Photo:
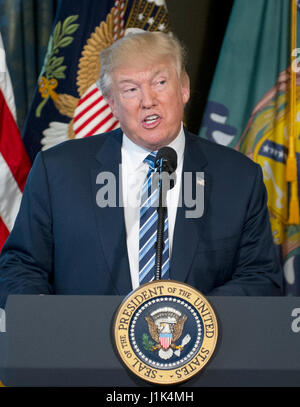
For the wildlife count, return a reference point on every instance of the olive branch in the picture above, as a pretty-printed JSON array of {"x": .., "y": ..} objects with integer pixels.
[
  {"x": 148, "y": 344},
  {"x": 53, "y": 66},
  {"x": 61, "y": 38}
]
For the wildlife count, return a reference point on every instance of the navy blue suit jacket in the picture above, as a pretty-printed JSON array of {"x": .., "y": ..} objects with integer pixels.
[{"x": 64, "y": 243}]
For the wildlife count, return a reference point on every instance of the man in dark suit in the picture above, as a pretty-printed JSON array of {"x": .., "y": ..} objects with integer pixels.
[{"x": 65, "y": 242}]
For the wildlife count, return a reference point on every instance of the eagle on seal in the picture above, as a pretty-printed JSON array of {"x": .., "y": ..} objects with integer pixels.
[{"x": 165, "y": 326}]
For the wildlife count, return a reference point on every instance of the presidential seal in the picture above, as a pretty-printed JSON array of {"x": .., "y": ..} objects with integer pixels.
[{"x": 165, "y": 332}]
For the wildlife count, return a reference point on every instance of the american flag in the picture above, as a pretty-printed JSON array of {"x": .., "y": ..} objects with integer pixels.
[{"x": 14, "y": 161}]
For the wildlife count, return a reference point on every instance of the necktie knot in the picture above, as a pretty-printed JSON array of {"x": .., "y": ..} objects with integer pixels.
[{"x": 150, "y": 160}]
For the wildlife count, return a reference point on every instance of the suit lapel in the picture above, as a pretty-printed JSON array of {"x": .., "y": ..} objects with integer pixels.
[
  {"x": 187, "y": 230},
  {"x": 110, "y": 221}
]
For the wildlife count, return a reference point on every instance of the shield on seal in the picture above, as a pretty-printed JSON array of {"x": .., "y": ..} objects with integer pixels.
[{"x": 165, "y": 339}]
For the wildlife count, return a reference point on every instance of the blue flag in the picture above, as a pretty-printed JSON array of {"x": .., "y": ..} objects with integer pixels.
[
  {"x": 249, "y": 109},
  {"x": 67, "y": 103}
]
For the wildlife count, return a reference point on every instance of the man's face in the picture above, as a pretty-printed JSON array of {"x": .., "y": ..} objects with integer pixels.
[{"x": 149, "y": 101}]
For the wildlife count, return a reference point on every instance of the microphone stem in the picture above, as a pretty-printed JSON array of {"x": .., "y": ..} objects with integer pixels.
[{"x": 160, "y": 230}]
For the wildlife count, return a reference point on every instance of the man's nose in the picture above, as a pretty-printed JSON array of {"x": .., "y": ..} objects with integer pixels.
[{"x": 148, "y": 98}]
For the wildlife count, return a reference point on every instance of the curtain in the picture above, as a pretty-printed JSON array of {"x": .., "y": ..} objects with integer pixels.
[{"x": 25, "y": 26}]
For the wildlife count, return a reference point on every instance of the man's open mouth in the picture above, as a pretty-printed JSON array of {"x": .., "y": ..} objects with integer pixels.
[{"x": 151, "y": 120}]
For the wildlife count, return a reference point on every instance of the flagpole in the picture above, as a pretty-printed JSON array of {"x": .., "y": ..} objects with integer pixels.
[{"x": 291, "y": 164}]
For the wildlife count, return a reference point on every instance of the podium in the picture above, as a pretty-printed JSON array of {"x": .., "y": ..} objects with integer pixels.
[{"x": 67, "y": 341}]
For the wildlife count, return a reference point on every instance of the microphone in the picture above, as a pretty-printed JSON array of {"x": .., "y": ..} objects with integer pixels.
[{"x": 166, "y": 160}]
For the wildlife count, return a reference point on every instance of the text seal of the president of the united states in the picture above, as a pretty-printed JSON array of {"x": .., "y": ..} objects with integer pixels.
[{"x": 165, "y": 331}]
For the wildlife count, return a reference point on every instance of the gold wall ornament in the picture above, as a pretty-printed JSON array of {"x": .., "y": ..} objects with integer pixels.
[{"x": 165, "y": 332}]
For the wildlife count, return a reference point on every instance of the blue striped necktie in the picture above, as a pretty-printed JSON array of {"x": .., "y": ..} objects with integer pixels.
[{"x": 148, "y": 228}]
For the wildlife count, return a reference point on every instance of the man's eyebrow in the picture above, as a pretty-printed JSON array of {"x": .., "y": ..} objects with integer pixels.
[
  {"x": 160, "y": 72},
  {"x": 127, "y": 80},
  {"x": 154, "y": 74}
]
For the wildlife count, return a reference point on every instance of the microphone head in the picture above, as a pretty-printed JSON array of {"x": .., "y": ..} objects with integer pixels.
[{"x": 166, "y": 158}]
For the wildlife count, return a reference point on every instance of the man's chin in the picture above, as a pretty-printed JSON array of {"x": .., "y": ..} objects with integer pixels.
[
  {"x": 155, "y": 146},
  {"x": 155, "y": 142},
  {"x": 153, "y": 139}
]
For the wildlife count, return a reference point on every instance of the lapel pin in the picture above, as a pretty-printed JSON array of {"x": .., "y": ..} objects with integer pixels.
[{"x": 201, "y": 181}]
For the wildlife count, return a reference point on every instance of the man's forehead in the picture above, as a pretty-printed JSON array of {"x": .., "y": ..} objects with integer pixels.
[{"x": 126, "y": 72}]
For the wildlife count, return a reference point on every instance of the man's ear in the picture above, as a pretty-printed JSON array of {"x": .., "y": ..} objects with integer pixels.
[
  {"x": 111, "y": 103},
  {"x": 185, "y": 88}
]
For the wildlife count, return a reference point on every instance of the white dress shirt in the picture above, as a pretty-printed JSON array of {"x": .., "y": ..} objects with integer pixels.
[{"x": 134, "y": 172}]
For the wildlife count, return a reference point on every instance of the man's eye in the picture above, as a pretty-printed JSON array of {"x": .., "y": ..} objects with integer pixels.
[
  {"x": 130, "y": 90},
  {"x": 162, "y": 82}
]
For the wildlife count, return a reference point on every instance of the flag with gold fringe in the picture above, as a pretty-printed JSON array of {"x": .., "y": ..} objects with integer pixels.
[
  {"x": 254, "y": 107},
  {"x": 68, "y": 103}
]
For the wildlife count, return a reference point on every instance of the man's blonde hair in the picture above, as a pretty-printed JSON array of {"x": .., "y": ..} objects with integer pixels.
[{"x": 151, "y": 46}]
